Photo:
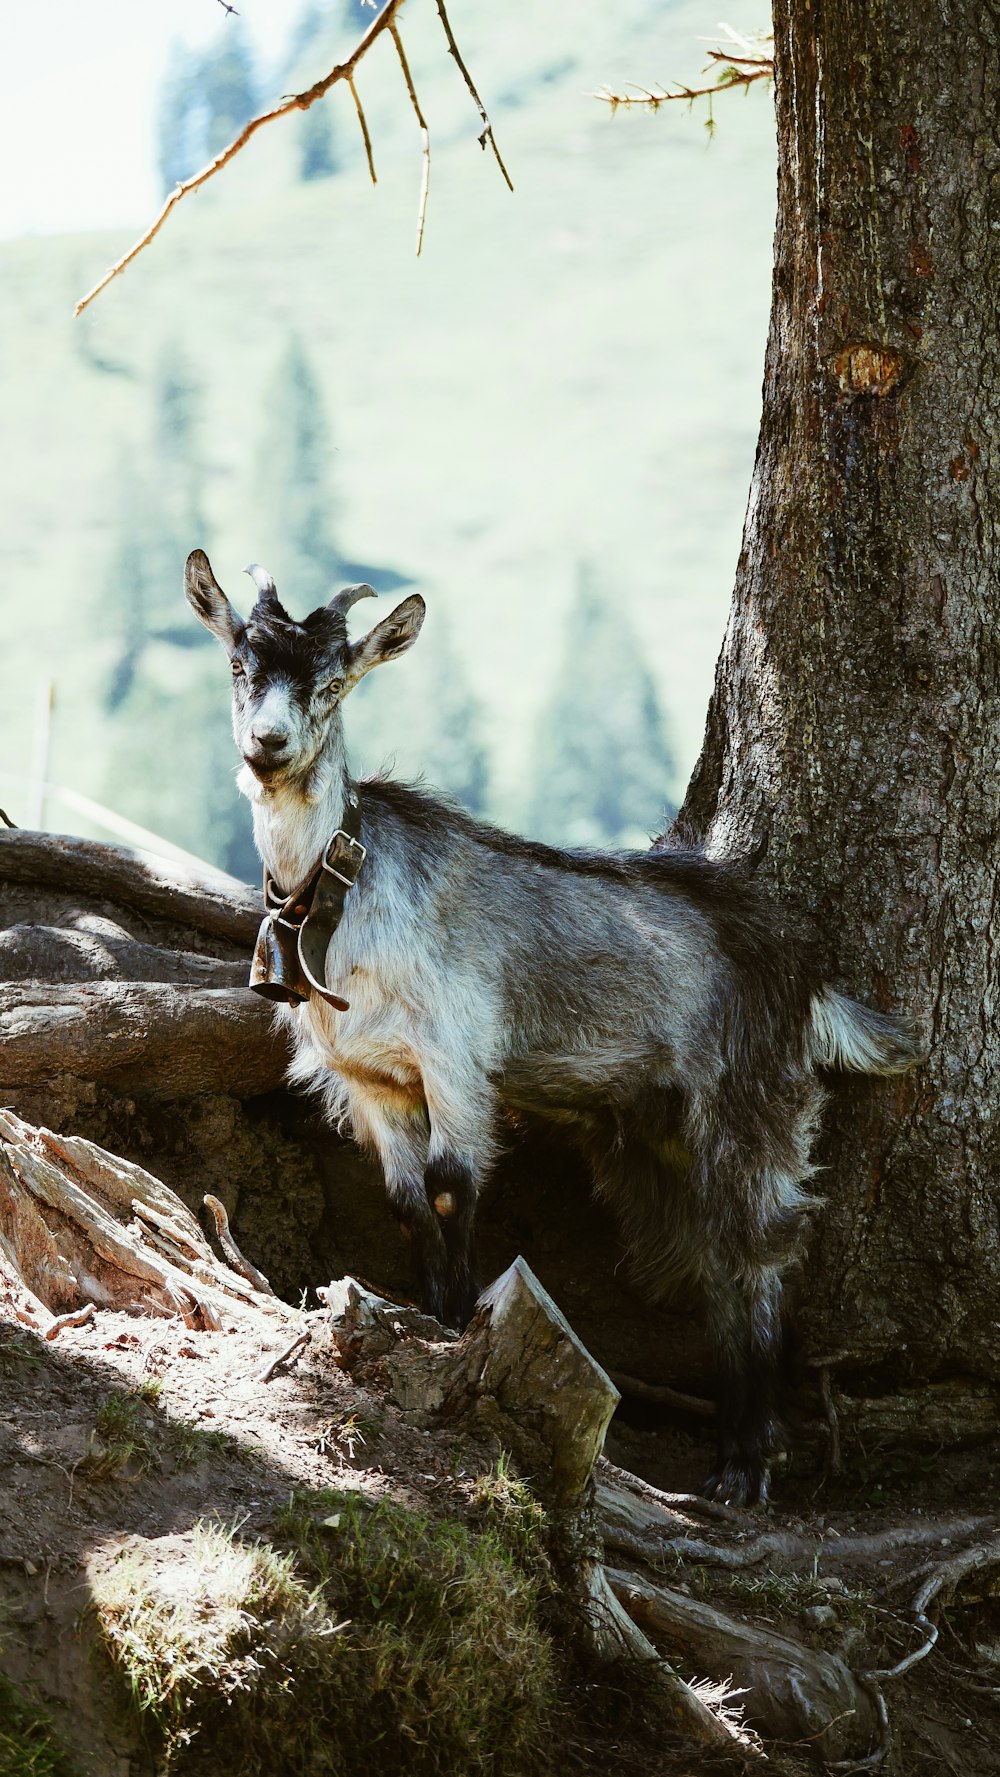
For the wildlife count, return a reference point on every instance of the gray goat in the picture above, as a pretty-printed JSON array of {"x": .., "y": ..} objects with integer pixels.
[{"x": 654, "y": 1003}]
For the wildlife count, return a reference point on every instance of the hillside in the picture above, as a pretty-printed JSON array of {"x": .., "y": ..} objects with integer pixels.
[{"x": 567, "y": 380}]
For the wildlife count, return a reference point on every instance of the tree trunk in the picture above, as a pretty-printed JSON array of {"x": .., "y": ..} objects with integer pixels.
[{"x": 852, "y": 739}]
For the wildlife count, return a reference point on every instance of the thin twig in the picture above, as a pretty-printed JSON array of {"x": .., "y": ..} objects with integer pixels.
[
  {"x": 425, "y": 139},
  {"x": 5, "y": 817},
  {"x": 75, "y": 1318},
  {"x": 289, "y": 1351},
  {"x": 356, "y": 96},
  {"x": 297, "y": 102},
  {"x": 736, "y": 71},
  {"x": 487, "y": 132}
]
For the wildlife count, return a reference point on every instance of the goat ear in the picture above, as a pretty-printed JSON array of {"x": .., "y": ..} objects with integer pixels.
[
  {"x": 392, "y": 636},
  {"x": 208, "y": 601}
]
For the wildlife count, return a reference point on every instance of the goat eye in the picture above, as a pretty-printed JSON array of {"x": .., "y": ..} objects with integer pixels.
[
  {"x": 336, "y": 686},
  {"x": 237, "y": 669}
]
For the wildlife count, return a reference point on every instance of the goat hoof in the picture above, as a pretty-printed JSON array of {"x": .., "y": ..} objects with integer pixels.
[{"x": 739, "y": 1483}]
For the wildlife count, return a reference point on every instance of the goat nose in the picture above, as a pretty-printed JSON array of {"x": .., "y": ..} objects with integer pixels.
[{"x": 270, "y": 740}]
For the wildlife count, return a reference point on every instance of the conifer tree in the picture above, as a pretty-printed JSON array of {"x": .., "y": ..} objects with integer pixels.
[
  {"x": 601, "y": 757},
  {"x": 181, "y": 121},
  {"x": 426, "y": 724},
  {"x": 295, "y": 503},
  {"x": 229, "y": 88}
]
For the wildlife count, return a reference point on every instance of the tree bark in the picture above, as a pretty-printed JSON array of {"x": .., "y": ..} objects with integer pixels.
[{"x": 852, "y": 739}]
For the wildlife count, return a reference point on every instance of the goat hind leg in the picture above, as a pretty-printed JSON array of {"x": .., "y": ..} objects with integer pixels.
[{"x": 744, "y": 1311}]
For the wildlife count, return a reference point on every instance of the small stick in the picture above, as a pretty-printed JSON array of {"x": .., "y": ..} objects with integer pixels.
[
  {"x": 359, "y": 108},
  {"x": 75, "y": 1318},
  {"x": 290, "y": 1350},
  {"x": 230, "y": 1248},
  {"x": 424, "y": 134},
  {"x": 660, "y": 1392},
  {"x": 5, "y": 817},
  {"x": 487, "y": 133}
]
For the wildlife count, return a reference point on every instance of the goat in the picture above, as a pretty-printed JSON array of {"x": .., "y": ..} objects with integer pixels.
[{"x": 655, "y": 1003}]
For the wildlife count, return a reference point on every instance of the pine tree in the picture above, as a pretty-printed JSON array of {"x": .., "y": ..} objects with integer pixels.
[
  {"x": 424, "y": 721},
  {"x": 295, "y": 504},
  {"x": 310, "y": 43},
  {"x": 182, "y": 118},
  {"x": 229, "y": 88},
  {"x": 601, "y": 755}
]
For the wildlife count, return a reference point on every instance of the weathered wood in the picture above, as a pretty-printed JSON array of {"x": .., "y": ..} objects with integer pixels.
[
  {"x": 98, "y": 949},
  {"x": 78, "y": 1224},
  {"x": 519, "y": 1352},
  {"x": 148, "y": 1038},
  {"x": 208, "y": 900},
  {"x": 520, "y": 1372},
  {"x": 792, "y": 1692}
]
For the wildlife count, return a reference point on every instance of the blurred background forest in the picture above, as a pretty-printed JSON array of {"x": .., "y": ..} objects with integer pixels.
[{"x": 545, "y": 424}]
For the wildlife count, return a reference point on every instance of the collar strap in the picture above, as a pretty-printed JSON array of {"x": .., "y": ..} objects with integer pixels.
[{"x": 289, "y": 962}]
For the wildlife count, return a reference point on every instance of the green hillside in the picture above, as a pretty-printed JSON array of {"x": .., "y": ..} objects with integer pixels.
[{"x": 567, "y": 382}]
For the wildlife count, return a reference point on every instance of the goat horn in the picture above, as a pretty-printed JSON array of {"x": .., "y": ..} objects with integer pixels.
[
  {"x": 266, "y": 588},
  {"x": 341, "y": 604}
]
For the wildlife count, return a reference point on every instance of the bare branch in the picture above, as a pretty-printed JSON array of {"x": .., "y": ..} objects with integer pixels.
[
  {"x": 297, "y": 102},
  {"x": 356, "y": 96},
  {"x": 487, "y": 132},
  {"x": 424, "y": 134}
]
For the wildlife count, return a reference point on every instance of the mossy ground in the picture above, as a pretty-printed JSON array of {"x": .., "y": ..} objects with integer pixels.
[{"x": 362, "y": 1630}]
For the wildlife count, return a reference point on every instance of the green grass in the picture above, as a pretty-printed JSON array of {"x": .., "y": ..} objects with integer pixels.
[
  {"x": 363, "y": 1633},
  {"x": 29, "y": 1745},
  {"x": 122, "y": 1437}
]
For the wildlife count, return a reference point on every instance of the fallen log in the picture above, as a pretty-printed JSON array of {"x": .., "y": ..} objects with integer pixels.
[
  {"x": 148, "y": 1038},
  {"x": 207, "y": 900},
  {"x": 97, "y": 949}
]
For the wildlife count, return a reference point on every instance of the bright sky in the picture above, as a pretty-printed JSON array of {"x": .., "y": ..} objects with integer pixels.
[{"x": 78, "y": 87}]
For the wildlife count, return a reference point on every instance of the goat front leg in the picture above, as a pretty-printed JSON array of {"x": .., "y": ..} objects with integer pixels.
[
  {"x": 400, "y": 1136},
  {"x": 460, "y": 1155}
]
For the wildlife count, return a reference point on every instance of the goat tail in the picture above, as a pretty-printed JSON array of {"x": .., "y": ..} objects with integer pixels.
[{"x": 842, "y": 1033}]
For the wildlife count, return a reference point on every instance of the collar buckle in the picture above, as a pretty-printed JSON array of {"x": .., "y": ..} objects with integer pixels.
[{"x": 356, "y": 855}]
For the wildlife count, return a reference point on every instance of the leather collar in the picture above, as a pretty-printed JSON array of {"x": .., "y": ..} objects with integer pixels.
[{"x": 289, "y": 962}]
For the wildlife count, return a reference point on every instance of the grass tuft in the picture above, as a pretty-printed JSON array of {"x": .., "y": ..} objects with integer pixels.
[
  {"x": 120, "y": 1438},
  {"x": 372, "y": 1629}
]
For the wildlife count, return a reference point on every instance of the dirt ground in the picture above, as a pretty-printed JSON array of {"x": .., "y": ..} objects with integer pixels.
[{"x": 215, "y": 1442}]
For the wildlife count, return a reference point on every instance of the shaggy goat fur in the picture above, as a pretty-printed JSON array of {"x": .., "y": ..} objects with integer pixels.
[{"x": 653, "y": 1003}]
